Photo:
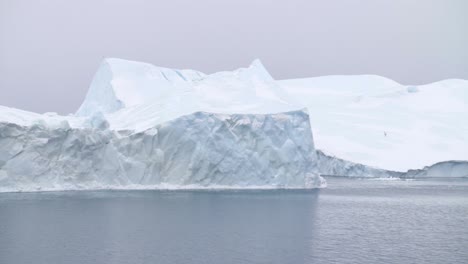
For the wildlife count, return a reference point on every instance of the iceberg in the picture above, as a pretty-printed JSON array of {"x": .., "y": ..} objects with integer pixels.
[
  {"x": 142, "y": 126},
  {"x": 147, "y": 127}
]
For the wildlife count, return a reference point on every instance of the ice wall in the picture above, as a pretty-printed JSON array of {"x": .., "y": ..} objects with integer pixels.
[{"x": 193, "y": 151}]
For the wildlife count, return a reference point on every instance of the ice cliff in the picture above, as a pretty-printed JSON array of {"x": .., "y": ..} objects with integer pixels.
[{"x": 201, "y": 150}]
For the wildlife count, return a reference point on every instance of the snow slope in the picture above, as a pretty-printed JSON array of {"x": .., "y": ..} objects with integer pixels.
[{"x": 375, "y": 121}]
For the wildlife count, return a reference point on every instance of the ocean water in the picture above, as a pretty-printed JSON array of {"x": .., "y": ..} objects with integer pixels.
[{"x": 351, "y": 221}]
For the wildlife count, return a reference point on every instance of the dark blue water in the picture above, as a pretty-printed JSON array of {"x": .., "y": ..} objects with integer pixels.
[{"x": 352, "y": 221}]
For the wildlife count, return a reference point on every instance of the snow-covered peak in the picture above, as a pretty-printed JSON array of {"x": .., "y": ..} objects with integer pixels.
[
  {"x": 136, "y": 93},
  {"x": 257, "y": 68},
  {"x": 121, "y": 83}
]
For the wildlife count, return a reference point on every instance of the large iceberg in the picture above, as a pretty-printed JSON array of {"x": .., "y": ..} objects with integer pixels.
[{"x": 143, "y": 126}]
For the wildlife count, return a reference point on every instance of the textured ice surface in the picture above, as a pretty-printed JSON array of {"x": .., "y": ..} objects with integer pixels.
[{"x": 197, "y": 150}]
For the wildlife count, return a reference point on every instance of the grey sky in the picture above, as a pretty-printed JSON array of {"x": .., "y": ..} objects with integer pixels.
[{"x": 49, "y": 50}]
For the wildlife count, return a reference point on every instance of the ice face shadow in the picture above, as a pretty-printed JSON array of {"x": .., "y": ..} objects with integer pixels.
[{"x": 158, "y": 227}]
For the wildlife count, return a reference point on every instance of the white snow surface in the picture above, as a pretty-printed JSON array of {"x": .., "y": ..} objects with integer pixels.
[
  {"x": 375, "y": 121},
  {"x": 137, "y": 96}
]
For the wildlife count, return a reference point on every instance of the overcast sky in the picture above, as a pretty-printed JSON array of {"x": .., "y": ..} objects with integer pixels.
[{"x": 49, "y": 50}]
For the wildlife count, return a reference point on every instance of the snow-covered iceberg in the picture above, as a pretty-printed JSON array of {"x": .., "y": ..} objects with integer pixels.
[{"x": 143, "y": 126}]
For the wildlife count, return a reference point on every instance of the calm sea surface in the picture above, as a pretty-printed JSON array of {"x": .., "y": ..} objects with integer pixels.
[{"x": 351, "y": 221}]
